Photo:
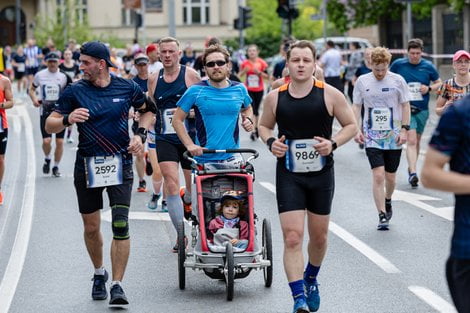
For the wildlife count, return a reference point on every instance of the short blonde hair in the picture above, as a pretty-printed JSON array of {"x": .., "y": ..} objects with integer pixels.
[{"x": 380, "y": 55}]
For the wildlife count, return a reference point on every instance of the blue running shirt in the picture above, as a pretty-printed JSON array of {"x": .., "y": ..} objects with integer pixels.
[
  {"x": 217, "y": 111},
  {"x": 424, "y": 72},
  {"x": 452, "y": 138},
  {"x": 106, "y": 131}
]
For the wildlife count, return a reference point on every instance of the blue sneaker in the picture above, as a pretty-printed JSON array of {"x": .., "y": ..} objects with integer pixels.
[
  {"x": 152, "y": 205},
  {"x": 300, "y": 306},
  {"x": 98, "y": 292},
  {"x": 118, "y": 297},
  {"x": 313, "y": 296}
]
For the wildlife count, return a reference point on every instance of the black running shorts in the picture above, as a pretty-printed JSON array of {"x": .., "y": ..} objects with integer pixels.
[
  {"x": 298, "y": 191},
  {"x": 390, "y": 159},
  {"x": 167, "y": 151},
  {"x": 91, "y": 199},
  {"x": 458, "y": 279},
  {"x": 3, "y": 141},
  {"x": 43, "y": 127},
  {"x": 257, "y": 97}
]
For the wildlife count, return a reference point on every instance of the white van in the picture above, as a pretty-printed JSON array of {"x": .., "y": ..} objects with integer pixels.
[{"x": 341, "y": 42}]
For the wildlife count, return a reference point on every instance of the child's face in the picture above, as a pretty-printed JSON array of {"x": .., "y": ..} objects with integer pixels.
[{"x": 230, "y": 209}]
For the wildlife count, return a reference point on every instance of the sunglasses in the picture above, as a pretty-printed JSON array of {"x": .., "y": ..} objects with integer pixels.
[{"x": 213, "y": 63}]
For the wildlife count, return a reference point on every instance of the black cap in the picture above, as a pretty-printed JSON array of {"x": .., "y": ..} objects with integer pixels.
[
  {"x": 97, "y": 50},
  {"x": 52, "y": 56}
]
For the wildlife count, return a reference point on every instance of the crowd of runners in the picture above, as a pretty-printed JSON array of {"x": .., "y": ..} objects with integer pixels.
[{"x": 153, "y": 103}]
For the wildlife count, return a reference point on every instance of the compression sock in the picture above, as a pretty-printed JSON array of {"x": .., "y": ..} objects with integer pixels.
[
  {"x": 311, "y": 272},
  {"x": 175, "y": 209}
]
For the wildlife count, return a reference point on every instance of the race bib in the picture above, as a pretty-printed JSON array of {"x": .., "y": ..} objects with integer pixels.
[
  {"x": 167, "y": 121},
  {"x": 51, "y": 92},
  {"x": 20, "y": 68},
  {"x": 103, "y": 171},
  {"x": 301, "y": 156},
  {"x": 381, "y": 119},
  {"x": 415, "y": 92},
  {"x": 253, "y": 81}
]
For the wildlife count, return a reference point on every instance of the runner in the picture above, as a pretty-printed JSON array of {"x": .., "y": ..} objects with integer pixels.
[
  {"x": 166, "y": 88},
  {"x": 33, "y": 60},
  {"x": 255, "y": 70},
  {"x": 385, "y": 97},
  {"x": 331, "y": 61},
  {"x": 6, "y": 102},
  {"x": 217, "y": 103},
  {"x": 19, "y": 66},
  {"x": 422, "y": 78},
  {"x": 155, "y": 65},
  {"x": 51, "y": 83},
  {"x": 304, "y": 111},
  {"x": 456, "y": 87},
  {"x": 99, "y": 104},
  {"x": 450, "y": 144}
]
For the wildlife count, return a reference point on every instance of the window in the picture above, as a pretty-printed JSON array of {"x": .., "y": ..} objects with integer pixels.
[
  {"x": 196, "y": 12},
  {"x": 80, "y": 10},
  {"x": 127, "y": 15},
  {"x": 153, "y": 5}
]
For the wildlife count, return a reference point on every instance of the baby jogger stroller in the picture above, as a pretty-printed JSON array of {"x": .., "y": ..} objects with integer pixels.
[{"x": 209, "y": 182}]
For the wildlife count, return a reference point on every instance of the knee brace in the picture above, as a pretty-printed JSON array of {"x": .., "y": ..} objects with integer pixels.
[{"x": 120, "y": 225}]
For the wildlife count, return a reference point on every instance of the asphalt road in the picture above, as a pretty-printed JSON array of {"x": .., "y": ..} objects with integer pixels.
[{"x": 44, "y": 266}]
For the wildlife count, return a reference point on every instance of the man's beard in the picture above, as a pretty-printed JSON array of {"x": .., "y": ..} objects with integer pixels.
[{"x": 217, "y": 78}]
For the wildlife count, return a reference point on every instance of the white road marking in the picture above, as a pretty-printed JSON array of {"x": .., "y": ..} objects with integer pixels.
[
  {"x": 416, "y": 200},
  {"x": 356, "y": 243},
  {"x": 432, "y": 299},
  {"x": 139, "y": 215},
  {"x": 16, "y": 122},
  {"x": 20, "y": 247}
]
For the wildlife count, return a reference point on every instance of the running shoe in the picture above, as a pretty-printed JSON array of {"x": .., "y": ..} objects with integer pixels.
[
  {"x": 187, "y": 206},
  {"x": 152, "y": 205},
  {"x": 46, "y": 167},
  {"x": 313, "y": 296},
  {"x": 383, "y": 222},
  {"x": 55, "y": 171},
  {"x": 300, "y": 306},
  {"x": 1, "y": 198},
  {"x": 148, "y": 165},
  {"x": 413, "y": 180},
  {"x": 118, "y": 297},
  {"x": 142, "y": 186},
  {"x": 164, "y": 206},
  {"x": 98, "y": 292},
  {"x": 388, "y": 210}
]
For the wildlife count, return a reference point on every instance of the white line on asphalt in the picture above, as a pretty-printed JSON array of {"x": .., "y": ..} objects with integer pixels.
[
  {"x": 139, "y": 215},
  {"x": 367, "y": 251},
  {"x": 432, "y": 299},
  {"x": 20, "y": 247},
  {"x": 356, "y": 243},
  {"x": 416, "y": 200}
]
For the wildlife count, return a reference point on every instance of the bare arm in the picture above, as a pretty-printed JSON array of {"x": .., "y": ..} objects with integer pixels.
[
  {"x": 441, "y": 105},
  {"x": 268, "y": 121},
  {"x": 434, "y": 176},
  {"x": 32, "y": 95},
  {"x": 178, "y": 124},
  {"x": 8, "y": 102},
  {"x": 152, "y": 85},
  {"x": 247, "y": 119},
  {"x": 277, "y": 83},
  {"x": 192, "y": 77}
]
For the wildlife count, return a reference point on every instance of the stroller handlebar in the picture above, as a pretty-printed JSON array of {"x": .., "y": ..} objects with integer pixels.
[{"x": 254, "y": 153}]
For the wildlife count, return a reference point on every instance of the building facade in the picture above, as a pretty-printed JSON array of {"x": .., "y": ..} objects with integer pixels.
[{"x": 194, "y": 19}]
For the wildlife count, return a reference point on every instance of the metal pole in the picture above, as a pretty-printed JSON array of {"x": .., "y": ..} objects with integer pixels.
[
  {"x": 171, "y": 18},
  {"x": 409, "y": 21},
  {"x": 241, "y": 38},
  {"x": 18, "y": 22}
]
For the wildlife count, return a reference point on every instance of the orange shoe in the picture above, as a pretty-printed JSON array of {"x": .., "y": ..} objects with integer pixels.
[
  {"x": 1, "y": 198},
  {"x": 187, "y": 206}
]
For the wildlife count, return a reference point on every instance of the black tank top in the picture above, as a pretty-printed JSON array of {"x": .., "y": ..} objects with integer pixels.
[{"x": 302, "y": 118}]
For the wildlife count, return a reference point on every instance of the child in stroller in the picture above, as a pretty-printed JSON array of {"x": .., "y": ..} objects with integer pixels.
[{"x": 227, "y": 227}]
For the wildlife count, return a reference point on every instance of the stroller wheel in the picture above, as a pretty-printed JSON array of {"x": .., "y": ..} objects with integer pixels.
[
  {"x": 229, "y": 271},
  {"x": 267, "y": 253},
  {"x": 181, "y": 256}
]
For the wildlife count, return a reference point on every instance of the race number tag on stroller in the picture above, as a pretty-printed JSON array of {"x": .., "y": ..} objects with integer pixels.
[
  {"x": 415, "y": 92},
  {"x": 103, "y": 171},
  {"x": 301, "y": 156},
  {"x": 381, "y": 118},
  {"x": 51, "y": 92},
  {"x": 167, "y": 121}
]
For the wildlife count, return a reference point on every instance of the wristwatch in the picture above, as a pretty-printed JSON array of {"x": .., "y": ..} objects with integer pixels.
[
  {"x": 142, "y": 133},
  {"x": 406, "y": 127},
  {"x": 334, "y": 145},
  {"x": 65, "y": 120}
]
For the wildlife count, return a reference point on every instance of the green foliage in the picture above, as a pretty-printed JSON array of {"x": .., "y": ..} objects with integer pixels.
[{"x": 304, "y": 27}]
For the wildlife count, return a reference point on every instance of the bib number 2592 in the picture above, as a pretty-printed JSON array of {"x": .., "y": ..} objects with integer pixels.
[{"x": 103, "y": 171}]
